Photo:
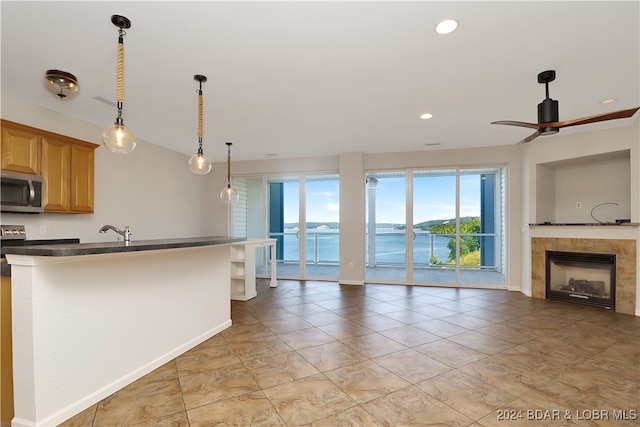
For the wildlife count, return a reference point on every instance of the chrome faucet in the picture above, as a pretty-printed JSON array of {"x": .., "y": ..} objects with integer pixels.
[{"x": 126, "y": 233}]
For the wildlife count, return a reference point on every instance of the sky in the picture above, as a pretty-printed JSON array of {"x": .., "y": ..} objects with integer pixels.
[{"x": 434, "y": 198}]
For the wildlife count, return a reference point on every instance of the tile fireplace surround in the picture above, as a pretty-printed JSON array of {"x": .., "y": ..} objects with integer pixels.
[{"x": 625, "y": 265}]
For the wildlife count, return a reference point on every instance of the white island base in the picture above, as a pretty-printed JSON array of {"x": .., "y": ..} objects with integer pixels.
[{"x": 86, "y": 326}]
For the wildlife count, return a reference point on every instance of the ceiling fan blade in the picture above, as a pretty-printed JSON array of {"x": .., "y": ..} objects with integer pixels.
[
  {"x": 622, "y": 114},
  {"x": 515, "y": 123},
  {"x": 530, "y": 137}
]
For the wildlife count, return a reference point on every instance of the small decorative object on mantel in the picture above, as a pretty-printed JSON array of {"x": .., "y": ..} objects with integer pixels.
[
  {"x": 199, "y": 163},
  {"x": 228, "y": 195},
  {"x": 60, "y": 83},
  {"x": 118, "y": 138}
]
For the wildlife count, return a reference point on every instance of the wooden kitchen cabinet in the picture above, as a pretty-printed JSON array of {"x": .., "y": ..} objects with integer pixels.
[
  {"x": 20, "y": 148},
  {"x": 67, "y": 165},
  {"x": 6, "y": 357},
  {"x": 56, "y": 171},
  {"x": 67, "y": 168}
]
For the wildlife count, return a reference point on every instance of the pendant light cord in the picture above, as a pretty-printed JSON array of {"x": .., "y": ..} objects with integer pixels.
[
  {"x": 120, "y": 76},
  {"x": 200, "y": 104},
  {"x": 228, "y": 164}
]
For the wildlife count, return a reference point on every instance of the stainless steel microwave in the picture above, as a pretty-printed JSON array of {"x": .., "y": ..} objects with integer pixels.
[{"x": 21, "y": 192}]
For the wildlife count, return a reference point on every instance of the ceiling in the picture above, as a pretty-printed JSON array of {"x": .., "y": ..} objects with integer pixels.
[{"x": 297, "y": 79}]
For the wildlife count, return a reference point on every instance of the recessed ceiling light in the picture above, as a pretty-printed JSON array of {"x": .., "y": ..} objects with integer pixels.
[
  {"x": 447, "y": 26},
  {"x": 426, "y": 116},
  {"x": 608, "y": 101}
]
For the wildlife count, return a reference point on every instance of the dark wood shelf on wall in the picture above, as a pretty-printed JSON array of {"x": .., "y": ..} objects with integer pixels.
[{"x": 586, "y": 224}]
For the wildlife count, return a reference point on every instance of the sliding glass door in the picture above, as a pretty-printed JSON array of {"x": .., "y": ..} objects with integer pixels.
[
  {"x": 436, "y": 226},
  {"x": 386, "y": 255},
  {"x": 283, "y": 218}
]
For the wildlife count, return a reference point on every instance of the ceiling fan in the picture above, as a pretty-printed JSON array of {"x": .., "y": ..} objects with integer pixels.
[{"x": 548, "y": 123}]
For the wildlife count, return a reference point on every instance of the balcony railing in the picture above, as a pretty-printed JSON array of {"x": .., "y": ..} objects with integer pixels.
[{"x": 322, "y": 247}]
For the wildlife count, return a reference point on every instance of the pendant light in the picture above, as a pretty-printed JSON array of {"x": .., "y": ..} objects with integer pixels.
[
  {"x": 118, "y": 138},
  {"x": 199, "y": 163},
  {"x": 229, "y": 195}
]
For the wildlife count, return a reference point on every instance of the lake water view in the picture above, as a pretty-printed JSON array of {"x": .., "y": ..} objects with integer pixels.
[{"x": 323, "y": 246}]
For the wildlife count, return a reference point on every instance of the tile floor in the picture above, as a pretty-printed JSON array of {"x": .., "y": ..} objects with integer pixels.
[{"x": 321, "y": 354}]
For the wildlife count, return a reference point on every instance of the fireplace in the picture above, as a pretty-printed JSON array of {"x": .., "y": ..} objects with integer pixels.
[{"x": 582, "y": 278}]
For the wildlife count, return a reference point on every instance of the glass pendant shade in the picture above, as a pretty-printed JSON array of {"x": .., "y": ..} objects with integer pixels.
[
  {"x": 229, "y": 195},
  {"x": 200, "y": 164},
  {"x": 119, "y": 139}
]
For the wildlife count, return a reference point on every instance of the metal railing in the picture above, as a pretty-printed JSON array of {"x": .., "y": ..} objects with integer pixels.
[{"x": 323, "y": 247}]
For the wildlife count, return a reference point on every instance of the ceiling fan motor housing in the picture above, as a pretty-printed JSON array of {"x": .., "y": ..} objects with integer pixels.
[{"x": 548, "y": 113}]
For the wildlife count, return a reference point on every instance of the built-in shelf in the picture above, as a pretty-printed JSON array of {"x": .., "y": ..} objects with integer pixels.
[{"x": 243, "y": 268}]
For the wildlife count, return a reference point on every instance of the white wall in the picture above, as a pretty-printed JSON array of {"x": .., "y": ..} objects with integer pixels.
[{"x": 151, "y": 189}]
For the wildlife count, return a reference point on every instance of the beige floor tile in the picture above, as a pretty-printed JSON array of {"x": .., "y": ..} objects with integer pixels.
[
  {"x": 307, "y": 400},
  {"x": 486, "y": 348},
  {"x": 345, "y": 330},
  {"x": 409, "y": 335},
  {"x": 154, "y": 395},
  {"x": 279, "y": 368},
  {"x": 481, "y": 342},
  {"x": 412, "y": 365},
  {"x": 352, "y": 417},
  {"x": 305, "y": 338},
  {"x": 83, "y": 419},
  {"x": 441, "y": 328},
  {"x": 503, "y": 376},
  {"x": 450, "y": 353},
  {"x": 238, "y": 333},
  {"x": 366, "y": 380},
  {"x": 286, "y": 324},
  {"x": 260, "y": 347},
  {"x": 413, "y": 407},
  {"x": 466, "y": 394},
  {"x": 251, "y": 409},
  {"x": 206, "y": 358},
  {"x": 323, "y": 318},
  {"x": 379, "y": 322},
  {"x": 223, "y": 383},
  {"x": 331, "y": 355},
  {"x": 179, "y": 419},
  {"x": 374, "y": 345}
]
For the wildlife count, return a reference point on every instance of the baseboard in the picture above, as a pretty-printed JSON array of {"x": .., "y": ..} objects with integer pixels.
[
  {"x": 95, "y": 397},
  {"x": 19, "y": 422},
  {"x": 351, "y": 282}
]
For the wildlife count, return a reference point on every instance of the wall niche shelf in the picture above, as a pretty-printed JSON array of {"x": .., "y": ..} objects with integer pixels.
[{"x": 583, "y": 190}]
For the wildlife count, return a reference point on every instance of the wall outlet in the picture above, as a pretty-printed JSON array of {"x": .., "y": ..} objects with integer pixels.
[
  {"x": 578, "y": 205},
  {"x": 50, "y": 229}
]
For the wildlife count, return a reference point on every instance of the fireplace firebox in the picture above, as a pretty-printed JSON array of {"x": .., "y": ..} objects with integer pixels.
[{"x": 582, "y": 278}]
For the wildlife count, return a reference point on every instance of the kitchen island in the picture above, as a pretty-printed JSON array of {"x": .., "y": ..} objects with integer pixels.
[{"x": 90, "y": 318}]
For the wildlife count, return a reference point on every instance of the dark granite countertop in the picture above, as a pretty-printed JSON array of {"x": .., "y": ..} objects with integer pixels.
[{"x": 74, "y": 249}]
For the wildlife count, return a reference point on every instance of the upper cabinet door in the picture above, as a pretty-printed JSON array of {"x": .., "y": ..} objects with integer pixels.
[
  {"x": 56, "y": 170},
  {"x": 20, "y": 149},
  {"x": 82, "y": 167}
]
